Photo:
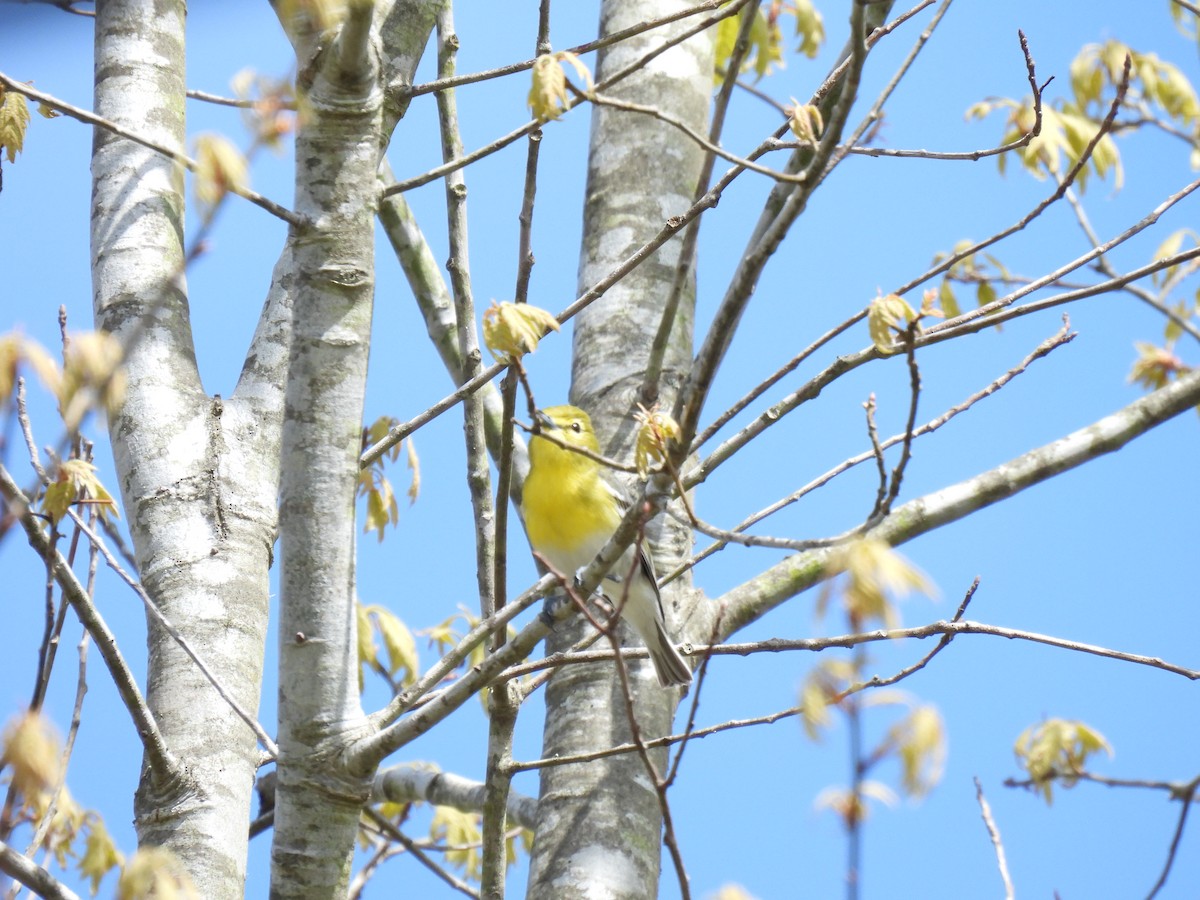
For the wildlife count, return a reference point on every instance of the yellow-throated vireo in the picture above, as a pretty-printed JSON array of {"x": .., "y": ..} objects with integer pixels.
[{"x": 570, "y": 513}]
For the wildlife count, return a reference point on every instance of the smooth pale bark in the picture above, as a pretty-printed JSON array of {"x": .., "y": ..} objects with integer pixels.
[
  {"x": 197, "y": 475},
  {"x": 599, "y": 824},
  {"x": 318, "y": 802}
]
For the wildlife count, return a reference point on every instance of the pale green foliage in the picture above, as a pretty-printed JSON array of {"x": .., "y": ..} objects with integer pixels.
[
  {"x": 272, "y": 113},
  {"x": 851, "y": 807},
  {"x": 382, "y": 508},
  {"x": 732, "y": 892},
  {"x": 920, "y": 741},
  {"x": 155, "y": 872},
  {"x": 510, "y": 330},
  {"x": 824, "y": 686},
  {"x": 31, "y": 758},
  {"x": 100, "y": 855},
  {"x": 1065, "y": 135},
  {"x": 1155, "y": 366},
  {"x": 810, "y": 27},
  {"x": 220, "y": 168},
  {"x": 765, "y": 52},
  {"x": 1097, "y": 70},
  {"x": 76, "y": 482},
  {"x": 805, "y": 121},
  {"x": 978, "y": 269},
  {"x": 14, "y": 120},
  {"x": 402, "y": 656},
  {"x": 766, "y": 45},
  {"x": 17, "y": 351},
  {"x": 874, "y": 574},
  {"x": 1158, "y": 92},
  {"x": 461, "y": 832},
  {"x": 548, "y": 94},
  {"x": 1057, "y": 750},
  {"x": 888, "y": 315},
  {"x": 657, "y": 433},
  {"x": 1170, "y": 247},
  {"x": 92, "y": 375},
  {"x": 30, "y": 754}
]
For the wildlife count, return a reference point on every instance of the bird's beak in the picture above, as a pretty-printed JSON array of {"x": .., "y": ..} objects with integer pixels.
[{"x": 542, "y": 421}]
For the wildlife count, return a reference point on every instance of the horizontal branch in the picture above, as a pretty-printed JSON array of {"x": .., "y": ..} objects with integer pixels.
[
  {"x": 410, "y": 782},
  {"x": 801, "y": 571}
]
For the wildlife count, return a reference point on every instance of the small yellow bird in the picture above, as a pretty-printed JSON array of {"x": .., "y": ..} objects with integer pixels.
[{"x": 571, "y": 512}]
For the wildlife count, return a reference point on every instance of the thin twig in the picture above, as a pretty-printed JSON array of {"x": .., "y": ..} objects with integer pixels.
[
  {"x": 994, "y": 835},
  {"x": 532, "y": 125},
  {"x": 1187, "y": 797},
  {"x": 151, "y": 607},
  {"x": 737, "y": 536},
  {"x": 90, "y": 118},
  {"x": 161, "y": 761},
  {"x": 442, "y": 84},
  {"x": 418, "y": 854}
]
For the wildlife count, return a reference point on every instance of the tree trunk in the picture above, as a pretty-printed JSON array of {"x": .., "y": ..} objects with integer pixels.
[
  {"x": 197, "y": 475},
  {"x": 599, "y": 823}
]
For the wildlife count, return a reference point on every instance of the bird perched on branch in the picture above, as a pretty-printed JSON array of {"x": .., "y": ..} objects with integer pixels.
[{"x": 570, "y": 513}]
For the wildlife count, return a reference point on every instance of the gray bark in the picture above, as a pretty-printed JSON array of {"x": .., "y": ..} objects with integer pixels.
[
  {"x": 197, "y": 475},
  {"x": 599, "y": 824}
]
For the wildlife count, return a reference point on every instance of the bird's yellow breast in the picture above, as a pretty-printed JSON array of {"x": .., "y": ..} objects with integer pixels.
[{"x": 569, "y": 511}]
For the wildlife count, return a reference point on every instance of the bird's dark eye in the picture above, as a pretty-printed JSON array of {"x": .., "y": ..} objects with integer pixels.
[{"x": 576, "y": 427}]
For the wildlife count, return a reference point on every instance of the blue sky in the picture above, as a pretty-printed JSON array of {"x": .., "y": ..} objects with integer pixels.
[{"x": 1103, "y": 555}]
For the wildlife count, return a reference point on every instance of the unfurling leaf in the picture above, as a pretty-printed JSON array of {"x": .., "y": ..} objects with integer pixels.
[
  {"x": 100, "y": 855},
  {"x": 1057, "y": 749},
  {"x": 1155, "y": 366},
  {"x": 92, "y": 374},
  {"x": 548, "y": 96},
  {"x": 14, "y": 120},
  {"x": 376, "y": 432},
  {"x": 76, "y": 482},
  {"x": 220, "y": 168},
  {"x": 155, "y": 873},
  {"x": 1168, "y": 248},
  {"x": 461, "y": 831},
  {"x": 510, "y": 330},
  {"x": 920, "y": 739},
  {"x": 16, "y": 350},
  {"x": 874, "y": 572},
  {"x": 852, "y": 808},
  {"x": 657, "y": 432},
  {"x": 888, "y": 315},
  {"x": 401, "y": 647},
  {"x": 805, "y": 122},
  {"x": 814, "y": 705},
  {"x": 31, "y": 755},
  {"x": 809, "y": 26},
  {"x": 765, "y": 50},
  {"x": 271, "y": 113}
]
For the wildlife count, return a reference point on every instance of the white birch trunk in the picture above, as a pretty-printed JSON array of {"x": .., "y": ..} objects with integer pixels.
[
  {"x": 318, "y": 802},
  {"x": 197, "y": 475},
  {"x": 599, "y": 824}
]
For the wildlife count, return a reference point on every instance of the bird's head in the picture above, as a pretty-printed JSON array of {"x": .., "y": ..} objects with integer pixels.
[{"x": 570, "y": 424}]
